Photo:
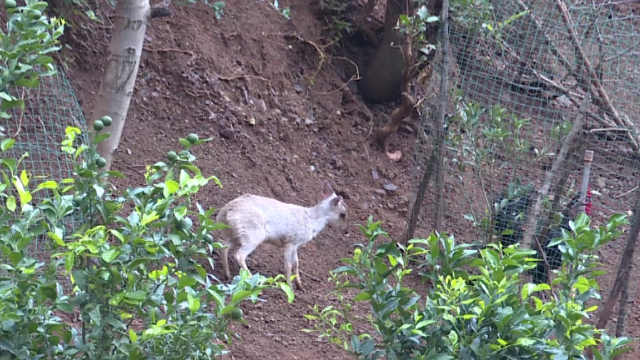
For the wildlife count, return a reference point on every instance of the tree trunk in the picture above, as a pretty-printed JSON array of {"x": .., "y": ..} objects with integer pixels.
[
  {"x": 117, "y": 86},
  {"x": 383, "y": 78}
]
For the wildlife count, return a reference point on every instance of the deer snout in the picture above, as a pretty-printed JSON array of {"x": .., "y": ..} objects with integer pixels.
[{"x": 343, "y": 224}]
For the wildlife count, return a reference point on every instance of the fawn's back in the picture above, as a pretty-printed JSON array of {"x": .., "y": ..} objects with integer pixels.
[{"x": 279, "y": 222}]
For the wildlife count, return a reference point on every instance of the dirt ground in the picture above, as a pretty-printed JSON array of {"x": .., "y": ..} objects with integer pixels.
[{"x": 282, "y": 122}]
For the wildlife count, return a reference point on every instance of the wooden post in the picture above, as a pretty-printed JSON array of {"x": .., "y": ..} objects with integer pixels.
[
  {"x": 440, "y": 129},
  {"x": 586, "y": 172}
]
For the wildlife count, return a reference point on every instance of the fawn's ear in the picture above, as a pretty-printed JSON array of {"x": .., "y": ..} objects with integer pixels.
[
  {"x": 335, "y": 201},
  {"x": 328, "y": 190}
]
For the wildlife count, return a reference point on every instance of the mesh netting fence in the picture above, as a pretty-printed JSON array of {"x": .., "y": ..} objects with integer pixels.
[
  {"x": 524, "y": 74},
  {"x": 38, "y": 130}
]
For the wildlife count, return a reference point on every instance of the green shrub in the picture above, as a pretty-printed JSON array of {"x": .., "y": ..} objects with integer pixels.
[
  {"x": 25, "y": 50},
  {"x": 138, "y": 287},
  {"x": 477, "y": 305}
]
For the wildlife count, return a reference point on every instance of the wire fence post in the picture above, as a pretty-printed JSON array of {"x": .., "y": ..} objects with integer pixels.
[{"x": 435, "y": 162}]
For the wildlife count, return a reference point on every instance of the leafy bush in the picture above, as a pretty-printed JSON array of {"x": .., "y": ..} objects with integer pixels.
[
  {"x": 25, "y": 49},
  {"x": 477, "y": 307},
  {"x": 138, "y": 287}
]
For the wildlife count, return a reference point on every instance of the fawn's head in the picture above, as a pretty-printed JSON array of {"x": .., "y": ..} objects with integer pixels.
[{"x": 336, "y": 209}]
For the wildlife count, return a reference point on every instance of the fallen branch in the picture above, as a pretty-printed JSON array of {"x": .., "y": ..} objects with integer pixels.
[
  {"x": 609, "y": 129},
  {"x": 625, "y": 193},
  {"x": 241, "y": 76},
  {"x": 354, "y": 77},
  {"x": 189, "y": 52},
  {"x": 21, "y": 116}
]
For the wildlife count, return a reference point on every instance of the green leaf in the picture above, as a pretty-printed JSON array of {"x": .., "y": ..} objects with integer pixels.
[
  {"x": 582, "y": 284},
  {"x": 100, "y": 137},
  {"x": 159, "y": 274},
  {"x": 110, "y": 255},
  {"x": 237, "y": 297},
  {"x": 5, "y": 96},
  {"x": 170, "y": 187},
  {"x": 99, "y": 190},
  {"x": 56, "y": 236},
  {"x": 363, "y": 296},
  {"x": 525, "y": 341},
  {"x": 149, "y": 217},
  {"x": 24, "y": 177},
  {"x": 118, "y": 235},
  {"x": 133, "y": 337},
  {"x": 52, "y": 185},
  {"x": 135, "y": 296},
  {"x": 7, "y": 143},
  {"x": 194, "y": 303},
  {"x": 287, "y": 290},
  {"x": 11, "y": 203},
  {"x": 25, "y": 196}
]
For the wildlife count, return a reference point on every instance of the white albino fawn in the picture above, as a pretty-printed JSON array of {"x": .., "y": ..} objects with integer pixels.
[{"x": 254, "y": 219}]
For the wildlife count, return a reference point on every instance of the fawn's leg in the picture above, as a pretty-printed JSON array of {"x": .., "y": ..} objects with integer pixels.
[
  {"x": 225, "y": 261},
  {"x": 225, "y": 253},
  {"x": 291, "y": 264},
  {"x": 289, "y": 255},
  {"x": 248, "y": 242},
  {"x": 297, "y": 268}
]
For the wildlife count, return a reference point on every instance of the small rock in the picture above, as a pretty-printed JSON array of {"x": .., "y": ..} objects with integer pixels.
[
  {"x": 336, "y": 163},
  {"x": 262, "y": 105},
  {"x": 564, "y": 101},
  {"x": 226, "y": 133},
  {"x": 374, "y": 174},
  {"x": 380, "y": 192},
  {"x": 390, "y": 187},
  {"x": 308, "y": 121},
  {"x": 252, "y": 121},
  {"x": 298, "y": 88}
]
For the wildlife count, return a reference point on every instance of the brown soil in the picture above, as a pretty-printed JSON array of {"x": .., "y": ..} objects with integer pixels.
[{"x": 283, "y": 123}]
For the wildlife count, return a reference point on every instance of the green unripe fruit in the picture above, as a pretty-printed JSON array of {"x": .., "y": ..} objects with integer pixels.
[
  {"x": 98, "y": 125},
  {"x": 101, "y": 162},
  {"x": 106, "y": 120},
  {"x": 192, "y": 138},
  {"x": 236, "y": 314},
  {"x": 172, "y": 156},
  {"x": 9, "y": 4}
]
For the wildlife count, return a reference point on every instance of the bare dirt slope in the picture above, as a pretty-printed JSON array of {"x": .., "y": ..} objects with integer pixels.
[
  {"x": 245, "y": 81},
  {"x": 282, "y": 123}
]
